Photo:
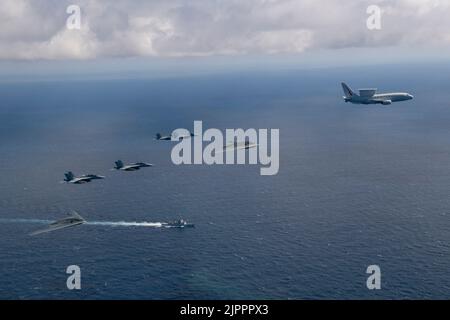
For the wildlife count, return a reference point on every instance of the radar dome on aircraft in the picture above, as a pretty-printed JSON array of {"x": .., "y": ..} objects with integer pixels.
[{"x": 369, "y": 92}]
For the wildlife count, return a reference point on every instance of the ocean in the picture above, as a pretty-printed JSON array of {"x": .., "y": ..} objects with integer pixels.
[{"x": 357, "y": 186}]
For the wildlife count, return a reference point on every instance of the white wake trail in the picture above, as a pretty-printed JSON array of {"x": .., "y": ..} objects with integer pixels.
[
  {"x": 39, "y": 221},
  {"x": 97, "y": 223},
  {"x": 125, "y": 224}
]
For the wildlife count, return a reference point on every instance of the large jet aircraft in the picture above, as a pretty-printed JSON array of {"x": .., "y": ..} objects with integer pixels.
[
  {"x": 70, "y": 178},
  {"x": 131, "y": 167},
  {"x": 370, "y": 96}
]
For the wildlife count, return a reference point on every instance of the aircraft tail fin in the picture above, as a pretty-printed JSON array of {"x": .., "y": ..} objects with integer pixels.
[
  {"x": 119, "y": 164},
  {"x": 69, "y": 176},
  {"x": 347, "y": 91},
  {"x": 158, "y": 136}
]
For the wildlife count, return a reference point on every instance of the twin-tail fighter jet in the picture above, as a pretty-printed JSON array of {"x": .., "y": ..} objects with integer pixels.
[
  {"x": 173, "y": 137},
  {"x": 70, "y": 178},
  {"x": 131, "y": 167}
]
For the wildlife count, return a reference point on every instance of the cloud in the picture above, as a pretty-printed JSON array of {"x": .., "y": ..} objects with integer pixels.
[{"x": 36, "y": 29}]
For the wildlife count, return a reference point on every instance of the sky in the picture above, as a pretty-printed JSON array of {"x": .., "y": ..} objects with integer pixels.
[{"x": 128, "y": 34}]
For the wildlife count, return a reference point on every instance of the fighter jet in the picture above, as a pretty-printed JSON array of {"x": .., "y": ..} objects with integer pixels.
[
  {"x": 370, "y": 96},
  {"x": 173, "y": 137},
  {"x": 73, "y": 219},
  {"x": 160, "y": 137},
  {"x": 70, "y": 178},
  {"x": 131, "y": 167}
]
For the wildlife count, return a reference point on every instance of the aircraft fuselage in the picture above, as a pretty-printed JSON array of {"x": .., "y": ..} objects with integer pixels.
[{"x": 379, "y": 98}]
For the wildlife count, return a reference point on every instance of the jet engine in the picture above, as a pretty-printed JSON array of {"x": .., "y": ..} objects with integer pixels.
[{"x": 386, "y": 102}]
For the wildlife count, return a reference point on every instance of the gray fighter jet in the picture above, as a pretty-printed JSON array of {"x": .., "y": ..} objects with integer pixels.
[
  {"x": 173, "y": 137},
  {"x": 161, "y": 137},
  {"x": 73, "y": 219},
  {"x": 370, "y": 96},
  {"x": 70, "y": 178},
  {"x": 131, "y": 167}
]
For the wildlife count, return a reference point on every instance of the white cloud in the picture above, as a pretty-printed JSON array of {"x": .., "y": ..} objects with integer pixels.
[{"x": 35, "y": 29}]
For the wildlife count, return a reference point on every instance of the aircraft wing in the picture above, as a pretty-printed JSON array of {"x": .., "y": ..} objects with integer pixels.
[
  {"x": 239, "y": 146},
  {"x": 226, "y": 148},
  {"x": 248, "y": 146},
  {"x": 143, "y": 164},
  {"x": 54, "y": 228}
]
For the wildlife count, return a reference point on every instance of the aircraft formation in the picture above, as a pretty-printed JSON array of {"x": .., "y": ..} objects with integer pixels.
[
  {"x": 119, "y": 165},
  {"x": 74, "y": 219},
  {"x": 365, "y": 96}
]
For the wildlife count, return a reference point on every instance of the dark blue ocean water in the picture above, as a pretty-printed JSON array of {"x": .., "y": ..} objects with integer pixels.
[{"x": 357, "y": 186}]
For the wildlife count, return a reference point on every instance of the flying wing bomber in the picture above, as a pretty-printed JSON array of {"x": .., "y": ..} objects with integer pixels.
[{"x": 73, "y": 219}]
